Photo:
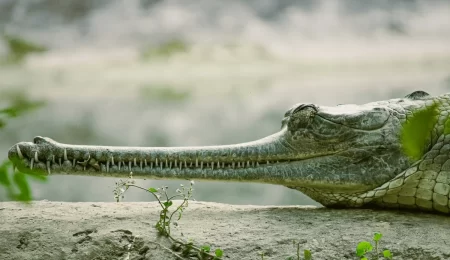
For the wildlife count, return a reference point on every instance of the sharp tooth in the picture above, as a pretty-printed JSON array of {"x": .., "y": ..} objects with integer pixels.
[
  {"x": 74, "y": 162},
  {"x": 181, "y": 165},
  {"x": 120, "y": 163},
  {"x": 201, "y": 165},
  {"x": 60, "y": 162},
  {"x": 48, "y": 168},
  {"x": 36, "y": 156},
  {"x": 19, "y": 152},
  {"x": 223, "y": 164},
  {"x": 248, "y": 163},
  {"x": 151, "y": 165},
  {"x": 145, "y": 162},
  {"x": 31, "y": 163},
  {"x": 156, "y": 162},
  {"x": 196, "y": 162},
  {"x": 112, "y": 160},
  {"x": 65, "y": 155},
  {"x": 135, "y": 164},
  {"x": 232, "y": 165},
  {"x": 53, "y": 159},
  {"x": 129, "y": 165},
  {"x": 268, "y": 162},
  {"x": 107, "y": 166},
  {"x": 191, "y": 164},
  {"x": 212, "y": 166},
  {"x": 140, "y": 164},
  {"x": 253, "y": 164},
  {"x": 170, "y": 165},
  {"x": 239, "y": 164},
  {"x": 167, "y": 163},
  {"x": 176, "y": 165},
  {"x": 185, "y": 164},
  {"x": 257, "y": 163},
  {"x": 218, "y": 164}
]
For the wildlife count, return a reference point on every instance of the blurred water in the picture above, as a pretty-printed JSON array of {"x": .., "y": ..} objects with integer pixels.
[{"x": 245, "y": 64}]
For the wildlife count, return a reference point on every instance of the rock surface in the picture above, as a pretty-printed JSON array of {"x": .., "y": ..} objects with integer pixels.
[{"x": 60, "y": 230}]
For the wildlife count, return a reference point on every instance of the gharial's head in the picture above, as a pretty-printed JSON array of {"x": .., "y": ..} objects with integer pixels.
[
  {"x": 352, "y": 149},
  {"x": 323, "y": 151}
]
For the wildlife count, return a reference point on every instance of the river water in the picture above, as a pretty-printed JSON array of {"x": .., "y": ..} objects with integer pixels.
[{"x": 241, "y": 65}]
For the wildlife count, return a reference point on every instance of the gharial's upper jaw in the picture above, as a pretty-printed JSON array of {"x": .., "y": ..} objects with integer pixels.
[
  {"x": 21, "y": 151},
  {"x": 26, "y": 155},
  {"x": 35, "y": 149}
]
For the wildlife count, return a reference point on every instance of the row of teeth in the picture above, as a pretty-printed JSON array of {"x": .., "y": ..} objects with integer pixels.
[{"x": 144, "y": 163}]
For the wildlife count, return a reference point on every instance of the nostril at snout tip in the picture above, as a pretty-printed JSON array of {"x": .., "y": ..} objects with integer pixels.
[
  {"x": 15, "y": 153},
  {"x": 20, "y": 151}
]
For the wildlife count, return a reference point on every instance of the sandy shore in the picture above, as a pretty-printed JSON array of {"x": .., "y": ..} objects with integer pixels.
[{"x": 60, "y": 230}]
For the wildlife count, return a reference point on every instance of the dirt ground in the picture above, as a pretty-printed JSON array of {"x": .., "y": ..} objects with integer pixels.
[{"x": 60, "y": 230}]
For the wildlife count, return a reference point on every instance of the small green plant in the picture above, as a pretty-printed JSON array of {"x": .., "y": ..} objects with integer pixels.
[
  {"x": 167, "y": 216},
  {"x": 306, "y": 253},
  {"x": 365, "y": 247}
]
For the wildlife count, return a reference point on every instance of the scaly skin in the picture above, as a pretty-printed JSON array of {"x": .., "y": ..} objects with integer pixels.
[{"x": 343, "y": 156}]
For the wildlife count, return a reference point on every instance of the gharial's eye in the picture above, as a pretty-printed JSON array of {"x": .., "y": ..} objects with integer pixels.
[{"x": 301, "y": 116}]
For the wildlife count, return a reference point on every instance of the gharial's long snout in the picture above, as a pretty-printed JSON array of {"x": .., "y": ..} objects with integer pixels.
[{"x": 249, "y": 161}]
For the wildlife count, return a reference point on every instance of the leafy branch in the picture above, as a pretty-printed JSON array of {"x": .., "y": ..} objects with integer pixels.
[
  {"x": 167, "y": 217},
  {"x": 16, "y": 183}
]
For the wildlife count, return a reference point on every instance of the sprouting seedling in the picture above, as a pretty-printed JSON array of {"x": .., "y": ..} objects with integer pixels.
[
  {"x": 306, "y": 253},
  {"x": 365, "y": 247}
]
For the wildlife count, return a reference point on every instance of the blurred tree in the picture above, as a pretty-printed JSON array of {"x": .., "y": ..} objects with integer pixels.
[{"x": 19, "y": 48}]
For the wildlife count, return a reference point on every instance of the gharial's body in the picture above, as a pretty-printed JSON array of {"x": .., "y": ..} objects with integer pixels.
[{"x": 392, "y": 153}]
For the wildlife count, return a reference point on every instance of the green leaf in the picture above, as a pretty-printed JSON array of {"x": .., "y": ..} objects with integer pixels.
[
  {"x": 387, "y": 254},
  {"x": 219, "y": 252},
  {"x": 152, "y": 190},
  {"x": 21, "y": 182},
  {"x": 4, "y": 178},
  {"x": 206, "y": 248},
  {"x": 363, "y": 247},
  {"x": 377, "y": 236},
  {"x": 364, "y": 258},
  {"x": 168, "y": 203},
  {"x": 307, "y": 254},
  {"x": 417, "y": 130}
]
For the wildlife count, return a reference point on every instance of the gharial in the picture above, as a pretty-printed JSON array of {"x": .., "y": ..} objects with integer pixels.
[{"x": 392, "y": 153}]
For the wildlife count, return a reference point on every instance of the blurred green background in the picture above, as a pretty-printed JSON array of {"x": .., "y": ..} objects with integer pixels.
[{"x": 178, "y": 73}]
